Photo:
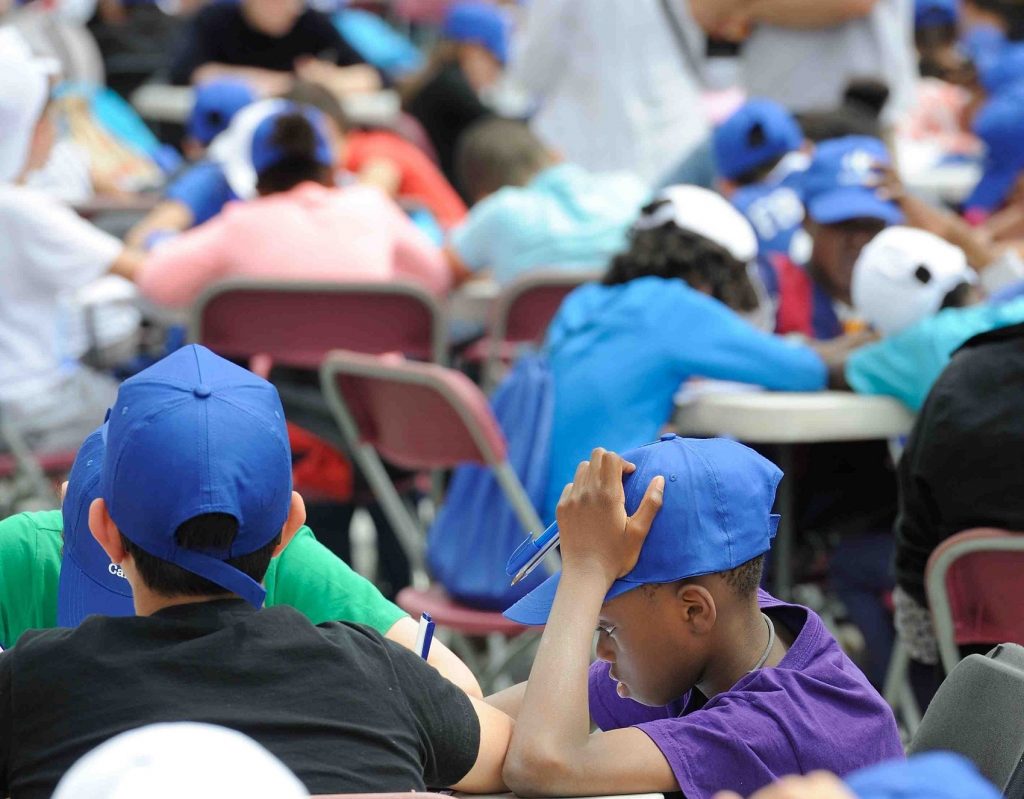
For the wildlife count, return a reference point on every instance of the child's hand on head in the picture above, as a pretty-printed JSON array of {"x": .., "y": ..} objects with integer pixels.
[{"x": 594, "y": 530}]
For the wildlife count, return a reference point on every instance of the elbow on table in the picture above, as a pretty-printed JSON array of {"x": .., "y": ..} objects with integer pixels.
[{"x": 531, "y": 771}]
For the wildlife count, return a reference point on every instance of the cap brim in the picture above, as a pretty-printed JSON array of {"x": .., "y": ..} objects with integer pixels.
[
  {"x": 534, "y": 608},
  {"x": 993, "y": 188},
  {"x": 78, "y": 596},
  {"x": 853, "y": 202}
]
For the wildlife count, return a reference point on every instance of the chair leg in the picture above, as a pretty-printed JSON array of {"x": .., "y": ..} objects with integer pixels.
[{"x": 898, "y": 692}]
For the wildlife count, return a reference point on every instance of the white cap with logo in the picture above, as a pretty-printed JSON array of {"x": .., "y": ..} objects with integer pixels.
[{"x": 903, "y": 275}]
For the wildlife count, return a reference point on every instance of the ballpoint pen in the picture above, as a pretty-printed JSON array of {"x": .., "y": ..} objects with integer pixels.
[
  {"x": 424, "y": 636},
  {"x": 530, "y": 553}
]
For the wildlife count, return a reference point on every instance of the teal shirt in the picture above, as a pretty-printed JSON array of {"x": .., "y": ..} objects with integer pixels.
[
  {"x": 906, "y": 365},
  {"x": 565, "y": 217}
]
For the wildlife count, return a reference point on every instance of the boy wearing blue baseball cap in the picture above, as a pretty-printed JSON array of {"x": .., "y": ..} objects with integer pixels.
[
  {"x": 704, "y": 682},
  {"x": 195, "y": 500}
]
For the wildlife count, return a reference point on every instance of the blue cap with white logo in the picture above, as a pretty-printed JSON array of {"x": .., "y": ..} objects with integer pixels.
[
  {"x": 266, "y": 154},
  {"x": 216, "y": 103},
  {"x": 191, "y": 435},
  {"x": 89, "y": 582},
  {"x": 478, "y": 23},
  {"x": 716, "y": 514},
  {"x": 758, "y": 132},
  {"x": 999, "y": 125},
  {"x": 842, "y": 182}
]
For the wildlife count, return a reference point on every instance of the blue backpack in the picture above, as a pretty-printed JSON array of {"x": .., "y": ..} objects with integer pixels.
[{"x": 476, "y": 530}]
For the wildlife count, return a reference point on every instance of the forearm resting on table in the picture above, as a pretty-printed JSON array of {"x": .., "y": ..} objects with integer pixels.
[
  {"x": 404, "y": 632},
  {"x": 267, "y": 81},
  {"x": 169, "y": 215}
]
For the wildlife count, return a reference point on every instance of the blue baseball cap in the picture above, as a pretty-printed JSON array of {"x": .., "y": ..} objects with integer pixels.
[
  {"x": 932, "y": 775},
  {"x": 758, "y": 132},
  {"x": 935, "y": 13},
  {"x": 265, "y": 154},
  {"x": 196, "y": 434},
  {"x": 716, "y": 514},
  {"x": 216, "y": 103},
  {"x": 842, "y": 182},
  {"x": 999, "y": 124},
  {"x": 89, "y": 583},
  {"x": 478, "y": 23}
]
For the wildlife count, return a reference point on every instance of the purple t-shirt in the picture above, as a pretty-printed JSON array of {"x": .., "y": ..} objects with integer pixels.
[{"x": 815, "y": 710}]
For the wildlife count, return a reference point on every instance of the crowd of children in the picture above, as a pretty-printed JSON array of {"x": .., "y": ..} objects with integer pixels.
[{"x": 770, "y": 223}]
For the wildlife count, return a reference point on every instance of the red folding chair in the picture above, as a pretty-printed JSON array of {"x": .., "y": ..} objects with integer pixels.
[
  {"x": 975, "y": 592},
  {"x": 521, "y": 315},
  {"x": 424, "y": 416},
  {"x": 296, "y": 323}
]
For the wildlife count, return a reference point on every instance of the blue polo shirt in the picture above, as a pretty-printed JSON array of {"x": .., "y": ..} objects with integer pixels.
[
  {"x": 905, "y": 366},
  {"x": 564, "y": 217},
  {"x": 618, "y": 355}
]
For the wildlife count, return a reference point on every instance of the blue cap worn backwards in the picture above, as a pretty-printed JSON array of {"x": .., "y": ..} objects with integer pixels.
[
  {"x": 217, "y": 101},
  {"x": 478, "y": 23},
  {"x": 89, "y": 582},
  {"x": 999, "y": 125},
  {"x": 716, "y": 514},
  {"x": 265, "y": 154},
  {"x": 842, "y": 182},
  {"x": 757, "y": 133},
  {"x": 191, "y": 435}
]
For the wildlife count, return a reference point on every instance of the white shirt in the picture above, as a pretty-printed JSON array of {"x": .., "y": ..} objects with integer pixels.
[
  {"x": 808, "y": 70},
  {"x": 614, "y": 89},
  {"x": 46, "y": 251}
]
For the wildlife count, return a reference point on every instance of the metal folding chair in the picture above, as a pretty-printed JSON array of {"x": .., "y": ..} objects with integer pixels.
[
  {"x": 27, "y": 477},
  {"x": 424, "y": 416}
]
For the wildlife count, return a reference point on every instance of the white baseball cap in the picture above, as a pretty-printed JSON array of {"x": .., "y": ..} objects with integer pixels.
[
  {"x": 169, "y": 761},
  {"x": 24, "y": 88},
  {"x": 903, "y": 275},
  {"x": 707, "y": 214},
  {"x": 232, "y": 149}
]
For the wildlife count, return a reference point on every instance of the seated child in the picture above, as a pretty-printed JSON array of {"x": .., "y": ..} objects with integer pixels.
[
  {"x": 530, "y": 211},
  {"x": 53, "y": 573},
  {"x": 917, "y": 291},
  {"x": 758, "y": 157},
  {"x": 703, "y": 681},
  {"x": 301, "y": 226}
]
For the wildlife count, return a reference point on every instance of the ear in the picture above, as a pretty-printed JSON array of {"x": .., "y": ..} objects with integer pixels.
[
  {"x": 296, "y": 518},
  {"x": 725, "y": 187},
  {"x": 697, "y": 607},
  {"x": 105, "y": 531}
]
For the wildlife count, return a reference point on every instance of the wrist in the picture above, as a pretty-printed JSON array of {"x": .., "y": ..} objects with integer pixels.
[{"x": 589, "y": 570}]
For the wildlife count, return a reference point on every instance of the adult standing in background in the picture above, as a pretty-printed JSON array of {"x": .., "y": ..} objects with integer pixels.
[
  {"x": 804, "y": 53},
  {"x": 616, "y": 82}
]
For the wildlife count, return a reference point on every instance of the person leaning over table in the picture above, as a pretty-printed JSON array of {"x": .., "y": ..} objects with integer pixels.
[{"x": 53, "y": 573}]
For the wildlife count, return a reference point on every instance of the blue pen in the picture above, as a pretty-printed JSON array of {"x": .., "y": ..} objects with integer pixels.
[
  {"x": 425, "y": 635},
  {"x": 530, "y": 553}
]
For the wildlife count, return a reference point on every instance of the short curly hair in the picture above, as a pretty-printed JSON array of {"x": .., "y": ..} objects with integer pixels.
[{"x": 669, "y": 251}]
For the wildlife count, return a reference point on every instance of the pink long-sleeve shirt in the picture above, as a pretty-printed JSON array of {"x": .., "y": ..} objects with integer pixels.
[{"x": 311, "y": 232}]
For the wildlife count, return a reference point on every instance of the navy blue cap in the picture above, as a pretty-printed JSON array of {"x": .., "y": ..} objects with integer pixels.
[
  {"x": 935, "y": 13},
  {"x": 932, "y": 775},
  {"x": 196, "y": 434},
  {"x": 716, "y": 515},
  {"x": 999, "y": 125},
  {"x": 842, "y": 182},
  {"x": 89, "y": 583},
  {"x": 769, "y": 123},
  {"x": 216, "y": 103},
  {"x": 265, "y": 154},
  {"x": 478, "y": 23}
]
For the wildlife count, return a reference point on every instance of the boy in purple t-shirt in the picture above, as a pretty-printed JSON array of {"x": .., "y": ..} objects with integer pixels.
[{"x": 705, "y": 682}]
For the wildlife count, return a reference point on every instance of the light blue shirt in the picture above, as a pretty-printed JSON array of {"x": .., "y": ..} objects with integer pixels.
[
  {"x": 618, "y": 355},
  {"x": 906, "y": 365},
  {"x": 565, "y": 217}
]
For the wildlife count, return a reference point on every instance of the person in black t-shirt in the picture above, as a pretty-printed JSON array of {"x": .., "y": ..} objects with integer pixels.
[
  {"x": 267, "y": 42},
  {"x": 195, "y": 500}
]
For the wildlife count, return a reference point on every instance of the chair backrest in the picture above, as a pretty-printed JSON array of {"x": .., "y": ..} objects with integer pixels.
[
  {"x": 977, "y": 713},
  {"x": 416, "y": 415},
  {"x": 525, "y": 308},
  {"x": 296, "y": 323},
  {"x": 975, "y": 591}
]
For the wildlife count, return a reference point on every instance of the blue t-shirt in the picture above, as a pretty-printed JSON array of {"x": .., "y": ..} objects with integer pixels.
[
  {"x": 776, "y": 213},
  {"x": 204, "y": 188},
  {"x": 565, "y": 217},
  {"x": 906, "y": 365},
  {"x": 618, "y": 355}
]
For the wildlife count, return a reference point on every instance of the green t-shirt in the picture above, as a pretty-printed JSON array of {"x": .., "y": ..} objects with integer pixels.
[{"x": 307, "y": 576}]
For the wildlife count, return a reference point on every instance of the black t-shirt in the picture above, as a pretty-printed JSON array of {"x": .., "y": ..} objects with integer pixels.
[
  {"x": 962, "y": 467},
  {"x": 219, "y": 34},
  {"x": 345, "y": 709}
]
